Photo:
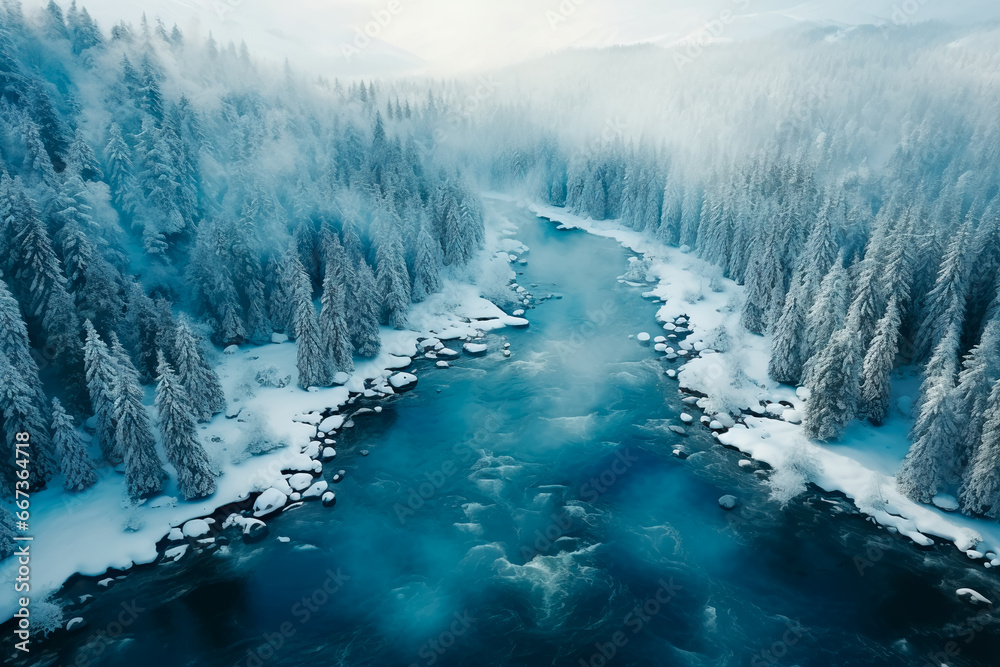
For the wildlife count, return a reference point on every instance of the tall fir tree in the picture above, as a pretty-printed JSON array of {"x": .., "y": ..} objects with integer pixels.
[
  {"x": 204, "y": 390},
  {"x": 195, "y": 477},
  {"x": 74, "y": 461},
  {"x": 878, "y": 365},
  {"x": 134, "y": 440}
]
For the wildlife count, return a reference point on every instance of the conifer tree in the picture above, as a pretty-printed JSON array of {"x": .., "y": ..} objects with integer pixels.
[
  {"x": 204, "y": 391},
  {"x": 74, "y": 461},
  {"x": 312, "y": 363},
  {"x": 980, "y": 492},
  {"x": 426, "y": 273},
  {"x": 194, "y": 472},
  {"x": 878, "y": 364},
  {"x": 363, "y": 303},
  {"x": 133, "y": 436},
  {"x": 336, "y": 339},
  {"x": 102, "y": 380},
  {"x": 21, "y": 414}
]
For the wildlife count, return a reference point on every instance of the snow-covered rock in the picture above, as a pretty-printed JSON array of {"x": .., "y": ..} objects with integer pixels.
[
  {"x": 975, "y": 597},
  {"x": 279, "y": 338},
  {"x": 945, "y": 501},
  {"x": 642, "y": 337},
  {"x": 402, "y": 380},
  {"x": 728, "y": 502},
  {"x": 475, "y": 348},
  {"x": 443, "y": 364},
  {"x": 686, "y": 418},
  {"x": 196, "y": 528},
  {"x": 446, "y": 352},
  {"x": 329, "y": 453},
  {"x": 329, "y": 499},
  {"x": 232, "y": 349},
  {"x": 331, "y": 423},
  {"x": 269, "y": 501},
  {"x": 300, "y": 481},
  {"x": 316, "y": 490}
]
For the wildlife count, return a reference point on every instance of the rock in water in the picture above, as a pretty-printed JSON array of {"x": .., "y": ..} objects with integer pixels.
[
  {"x": 269, "y": 501},
  {"x": 728, "y": 502}
]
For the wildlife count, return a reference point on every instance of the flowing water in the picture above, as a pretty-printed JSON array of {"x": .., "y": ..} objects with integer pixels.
[{"x": 530, "y": 511}]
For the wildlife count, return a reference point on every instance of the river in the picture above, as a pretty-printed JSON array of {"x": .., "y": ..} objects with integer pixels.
[{"x": 530, "y": 511}]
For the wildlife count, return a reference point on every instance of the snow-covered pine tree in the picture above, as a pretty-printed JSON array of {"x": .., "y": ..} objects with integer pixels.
[
  {"x": 82, "y": 160},
  {"x": 878, "y": 364},
  {"x": 336, "y": 339},
  {"x": 363, "y": 303},
  {"x": 102, "y": 380},
  {"x": 945, "y": 304},
  {"x": 133, "y": 436},
  {"x": 834, "y": 384},
  {"x": 826, "y": 314},
  {"x": 765, "y": 283},
  {"x": 7, "y": 534},
  {"x": 74, "y": 461},
  {"x": 22, "y": 414},
  {"x": 426, "y": 272},
  {"x": 15, "y": 344},
  {"x": 204, "y": 391},
  {"x": 314, "y": 370},
  {"x": 118, "y": 159},
  {"x": 980, "y": 371},
  {"x": 980, "y": 492},
  {"x": 788, "y": 344},
  {"x": 393, "y": 280},
  {"x": 195, "y": 477},
  {"x": 931, "y": 465}
]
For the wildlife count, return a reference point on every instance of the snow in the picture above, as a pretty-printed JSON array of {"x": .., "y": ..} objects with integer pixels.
[
  {"x": 643, "y": 337},
  {"x": 945, "y": 501},
  {"x": 861, "y": 465},
  {"x": 402, "y": 380},
  {"x": 196, "y": 528},
  {"x": 331, "y": 423},
  {"x": 300, "y": 481},
  {"x": 974, "y": 596},
  {"x": 270, "y": 500},
  {"x": 475, "y": 348},
  {"x": 279, "y": 338}
]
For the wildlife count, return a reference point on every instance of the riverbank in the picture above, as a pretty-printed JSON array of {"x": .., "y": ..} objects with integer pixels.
[
  {"x": 268, "y": 433},
  {"x": 734, "y": 378}
]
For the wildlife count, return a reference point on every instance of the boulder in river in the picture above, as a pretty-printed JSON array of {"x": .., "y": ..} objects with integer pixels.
[{"x": 728, "y": 502}]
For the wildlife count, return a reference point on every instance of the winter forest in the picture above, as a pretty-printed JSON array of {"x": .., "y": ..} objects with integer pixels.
[{"x": 167, "y": 198}]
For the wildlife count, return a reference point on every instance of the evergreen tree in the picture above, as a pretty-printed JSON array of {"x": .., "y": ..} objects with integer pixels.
[
  {"x": 878, "y": 364},
  {"x": 204, "y": 391},
  {"x": 312, "y": 363},
  {"x": 74, "y": 461},
  {"x": 133, "y": 436},
  {"x": 363, "y": 303},
  {"x": 102, "y": 381},
  {"x": 930, "y": 467},
  {"x": 118, "y": 158},
  {"x": 336, "y": 339},
  {"x": 393, "y": 281},
  {"x": 827, "y": 314},
  {"x": 426, "y": 273},
  {"x": 980, "y": 492},
  {"x": 788, "y": 347},
  {"x": 833, "y": 403},
  {"x": 21, "y": 414},
  {"x": 194, "y": 473},
  {"x": 945, "y": 304}
]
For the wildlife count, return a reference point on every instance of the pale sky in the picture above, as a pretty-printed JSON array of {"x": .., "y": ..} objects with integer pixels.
[{"x": 460, "y": 36}]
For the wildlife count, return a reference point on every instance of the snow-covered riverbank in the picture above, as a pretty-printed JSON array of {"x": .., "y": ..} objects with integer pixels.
[
  {"x": 734, "y": 377},
  {"x": 90, "y": 532}
]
